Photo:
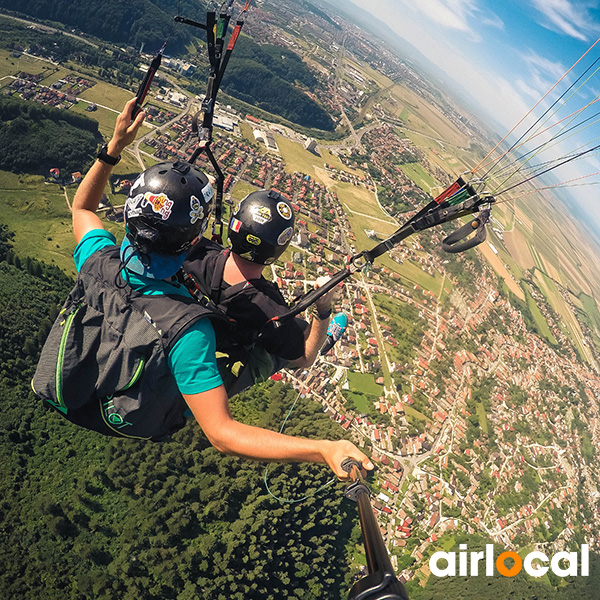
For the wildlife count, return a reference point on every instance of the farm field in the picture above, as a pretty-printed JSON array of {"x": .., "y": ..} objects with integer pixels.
[
  {"x": 540, "y": 320},
  {"x": 11, "y": 66},
  {"x": 299, "y": 159},
  {"x": 569, "y": 323},
  {"x": 108, "y": 95},
  {"x": 361, "y": 201},
  {"x": 500, "y": 269},
  {"x": 38, "y": 215},
  {"x": 420, "y": 176}
]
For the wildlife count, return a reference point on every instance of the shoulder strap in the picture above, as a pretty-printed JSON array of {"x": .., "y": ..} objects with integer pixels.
[{"x": 216, "y": 282}]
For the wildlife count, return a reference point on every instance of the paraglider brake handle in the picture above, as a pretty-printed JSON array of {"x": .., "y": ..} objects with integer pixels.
[{"x": 353, "y": 467}]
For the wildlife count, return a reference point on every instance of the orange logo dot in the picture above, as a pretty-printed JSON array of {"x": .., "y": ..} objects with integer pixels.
[{"x": 516, "y": 568}]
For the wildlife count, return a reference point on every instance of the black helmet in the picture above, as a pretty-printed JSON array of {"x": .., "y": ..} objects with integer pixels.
[
  {"x": 261, "y": 227},
  {"x": 168, "y": 207}
]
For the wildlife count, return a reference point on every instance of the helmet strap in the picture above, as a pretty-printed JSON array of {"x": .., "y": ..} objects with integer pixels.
[{"x": 123, "y": 268}]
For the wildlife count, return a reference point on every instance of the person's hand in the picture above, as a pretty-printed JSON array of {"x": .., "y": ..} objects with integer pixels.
[
  {"x": 334, "y": 454},
  {"x": 126, "y": 129},
  {"x": 323, "y": 304}
]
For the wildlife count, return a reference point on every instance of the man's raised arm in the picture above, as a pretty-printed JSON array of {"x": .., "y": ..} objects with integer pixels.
[{"x": 89, "y": 193}]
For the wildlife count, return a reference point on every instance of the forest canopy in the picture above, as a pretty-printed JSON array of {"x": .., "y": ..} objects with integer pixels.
[
  {"x": 129, "y": 23},
  {"x": 90, "y": 517},
  {"x": 269, "y": 77},
  {"x": 35, "y": 138}
]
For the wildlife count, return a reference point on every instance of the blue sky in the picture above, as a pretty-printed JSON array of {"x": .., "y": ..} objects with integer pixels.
[{"x": 509, "y": 54}]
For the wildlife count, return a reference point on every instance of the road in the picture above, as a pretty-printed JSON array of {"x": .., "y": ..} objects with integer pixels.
[
  {"x": 52, "y": 29},
  {"x": 338, "y": 76},
  {"x": 135, "y": 148}
]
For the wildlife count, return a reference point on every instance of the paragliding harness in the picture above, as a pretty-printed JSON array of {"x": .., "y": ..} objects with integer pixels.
[
  {"x": 104, "y": 365},
  {"x": 246, "y": 339}
]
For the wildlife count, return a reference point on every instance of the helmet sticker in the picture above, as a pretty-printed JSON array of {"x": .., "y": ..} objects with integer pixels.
[
  {"x": 141, "y": 180},
  {"x": 248, "y": 255},
  {"x": 132, "y": 206},
  {"x": 284, "y": 210},
  {"x": 285, "y": 236},
  {"x": 252, "y": 239},
  {"x": 208, "y": 192},
  {"x": 197, "y": 211},
  {"x": 160, "y": 204},
  {"x": 235, "y": 225},
  {"x": 236, "y": 209},
  {"x": 261, "y": 214}
]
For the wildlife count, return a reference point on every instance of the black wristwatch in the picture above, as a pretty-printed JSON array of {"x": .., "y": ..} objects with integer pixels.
[
  {"x": 105, "y": 157},
  {"x": 322, "y": 316}
]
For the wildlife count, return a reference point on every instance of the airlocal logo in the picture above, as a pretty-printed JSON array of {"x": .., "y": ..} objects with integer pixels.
[{"x": 562, "y": 564}]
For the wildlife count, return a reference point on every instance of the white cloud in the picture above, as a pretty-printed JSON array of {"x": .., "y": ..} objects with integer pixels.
[
  {"x": 449, "y": 13},
  {"x": 527, "y": 89},
  {"x": 492, "y": 91},
  {"x": 459, "y": 15},
  {"x": 572, "y": 18},
  {"x": 543, "y": 73}
]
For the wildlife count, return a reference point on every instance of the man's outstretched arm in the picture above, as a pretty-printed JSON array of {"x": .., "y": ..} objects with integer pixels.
[
  {"x": 89, "y": 193},
  {"x": 227, "y": 435}
]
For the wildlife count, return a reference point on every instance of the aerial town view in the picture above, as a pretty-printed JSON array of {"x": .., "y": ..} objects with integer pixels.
[{"x": 470, "y": 379}]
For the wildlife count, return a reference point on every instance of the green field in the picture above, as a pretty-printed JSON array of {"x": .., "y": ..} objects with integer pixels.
[
  {"x": 362, "y": 201},
  {"x": 363, "y": 404},
  {"x": 246, "y": 131},
  {"x": 365, "y": 383},
  {"x": 106, "y": 118},
  {"x": 539, "y": 319},
  {"x": 568, "y": 323},
  {"x": 108, "y": 95},
  {"x": 414, "y": 413},
  {"x": 39, "y": 216},
  {"x": 303, "y": 161},
  {"x": 242, "y": 189},
  {"x": 592, "y": 317},
  {"x": 590, "y": 306},
  {"x": 9, "y": 65},
  {"x": 415, "y": 275},
  {"x": 420, "y": 176},
  {"x": 482, "y": 417}
]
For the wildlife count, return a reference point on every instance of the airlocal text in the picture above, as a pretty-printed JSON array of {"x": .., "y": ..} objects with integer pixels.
[{"x": 536, "y": 564}]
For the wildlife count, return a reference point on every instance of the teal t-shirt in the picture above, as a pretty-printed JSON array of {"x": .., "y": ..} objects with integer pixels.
[{"x": 192, "y": 359}]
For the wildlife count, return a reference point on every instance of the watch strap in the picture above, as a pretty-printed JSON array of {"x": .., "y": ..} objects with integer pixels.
[{"x": 105, "y": 157}]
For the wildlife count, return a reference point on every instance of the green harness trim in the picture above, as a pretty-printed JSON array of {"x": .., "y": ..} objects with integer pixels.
[{"x": 59, "y": 363}]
